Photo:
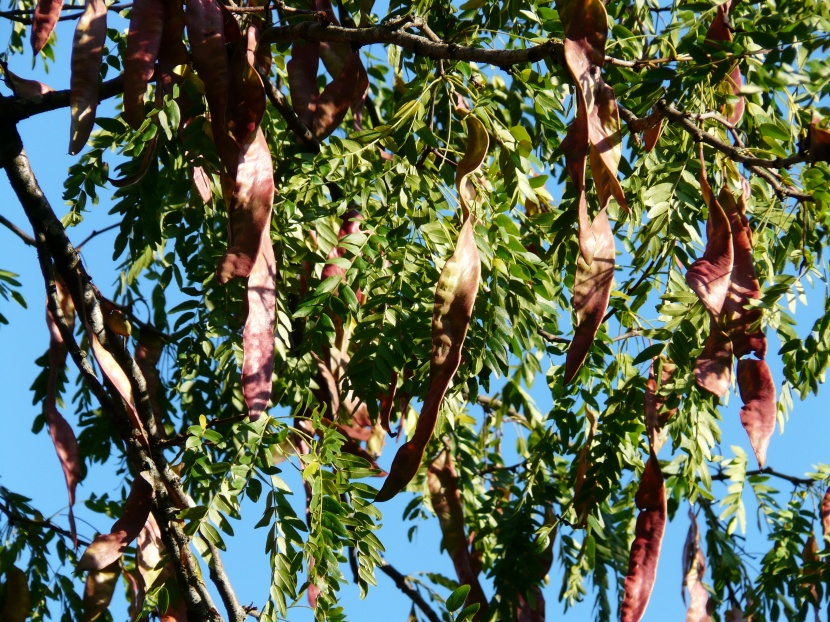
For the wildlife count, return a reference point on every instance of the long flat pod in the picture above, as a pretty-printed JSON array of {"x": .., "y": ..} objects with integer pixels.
[
  {"x": 108, "y": 548},
  {"x": 648, "y": 539},
  {"x": 694, "y": 567},
  {"x": 758, "y": 413},
  {"x": 709, "y": 276},
  {"x": 143, "y": 42},
  {"x": 442, "y": 481},
  {"x": 87, "y": 54},
  {"x": 594, "y": 130},
  {"x": 454, "y": 299},
  {"x": 46, "y": 15},
  {"x": 63, "y": 437},
  {"x": 455, "y": 295},
  {"x": 249, "y": 210},
  {"x": 258, "y": 334}
]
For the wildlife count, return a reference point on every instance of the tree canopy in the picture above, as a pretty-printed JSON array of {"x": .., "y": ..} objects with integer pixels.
[{"x": 347, "y": 230}]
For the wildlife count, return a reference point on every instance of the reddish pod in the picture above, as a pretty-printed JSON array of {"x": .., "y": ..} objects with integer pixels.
[
  {"x": 63, "y": 437},
  {"x": 720, "y": 30},
  {"x": 758, "y": 413},
  {"x": 87, "y": 54},
  {"x": 46, "y": 15},
  {"x": 595, "y": 132},
  {"x": 694, "y": 567},
  {"x": 106, "y": 549},
  {"x": 442, "y": 481},
  {"x": 454, "y": 298},
  {"x": 143, "y": 42},
  {"x": 98, "y": 590},
  {"x": 648, "y": 538}
]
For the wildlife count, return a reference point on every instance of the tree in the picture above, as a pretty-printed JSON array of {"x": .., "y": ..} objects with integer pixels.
[{"x": 640, "y": 197}]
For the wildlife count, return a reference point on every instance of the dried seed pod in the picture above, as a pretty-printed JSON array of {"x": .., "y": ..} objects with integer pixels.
[
  {"x": 758, "y": 413},
  {"x": 143, "y": 42},
  {"x": 87, "y": 54}
]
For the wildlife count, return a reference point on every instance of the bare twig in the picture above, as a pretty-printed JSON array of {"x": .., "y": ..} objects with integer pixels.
[
  {"x": 279, "y": 102},
  {"x": 96, "y": 233},
  {"x": 551, "y": 338},
  {"x": 223, "y": 585},
  {"x": 27, "y": 239},
  {"x": 796, "y": 481},
  {"x": 14, "y": 518},
  {"x": 404, "y": 586},
  {"x": 392, "y": 32}
]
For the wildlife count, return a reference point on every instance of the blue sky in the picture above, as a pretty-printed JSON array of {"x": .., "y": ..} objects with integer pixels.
[{"x": 28, "y": 464}]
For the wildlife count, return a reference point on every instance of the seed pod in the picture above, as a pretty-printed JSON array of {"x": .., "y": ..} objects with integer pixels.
[
  {"x": 108, "y": 548},
  {"x": 694, "y": 567},
  {"x": 17, "y": 602},
  {"x": 143, "y": 42},
  {"x": 454, "y": 298},
  {"x": 98, "y": 591},
  {"x": 47, "y": 13},
  {"x": 818, "y": 140},
  {"x": 720, "y": 30},
  {"x": 246, "y": 101},
  {"x": 648, "y": 538},
  {"x": 87, "y": 54},
  {"x": 23, "y": 87},
  {"x": 758, "y": 413},
  {"x": 172, "y": 51}
]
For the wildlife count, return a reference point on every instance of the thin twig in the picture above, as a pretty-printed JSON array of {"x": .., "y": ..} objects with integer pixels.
[
  {"x": 13, "y": 109},
  {"x": 14, "y": 517},
  {"x": 796, "y": 481},
  {"x": 27, "y": 239},
  {"x": 96, "y": 233},
  {"x": 404, "y": 586},
  {"x": 223, "y": 585}
]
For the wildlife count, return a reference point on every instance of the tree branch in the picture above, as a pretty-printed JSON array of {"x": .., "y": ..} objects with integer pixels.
[
  {"x": 54, "y": 247},
  {"x": 392, "y": 33},
  {"x": 14, "y": 517},
  {"x": 27, "y": 239},
  {"x": 13, "y": 109},
  {"x": 796, "y": 481},
  {"x": 223, "y": 585},
  {"x": 404, "y": 586}
]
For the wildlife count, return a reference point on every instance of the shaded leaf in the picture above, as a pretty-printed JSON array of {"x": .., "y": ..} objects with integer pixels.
[
  {"x": 16, "y": 598},
  {"x": 758, "y": 413},
  {"x": 143, "y": 43},
  {"x": 106, "y": 549},
  {"x": 648, "y": 537},
  {"x": 87, "y": 54}
]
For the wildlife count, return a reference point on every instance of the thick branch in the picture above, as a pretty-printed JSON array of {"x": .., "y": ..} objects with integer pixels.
[
  {"x": 54, "y": 247},
  {"x": 393, "y": 34},
  {"x": 404, "y": 586},
  {"x": 13, "y": 109},
  {"x": 223, "y": 585}
]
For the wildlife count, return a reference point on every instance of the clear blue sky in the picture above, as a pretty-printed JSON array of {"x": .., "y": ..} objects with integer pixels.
[{"x": 28, "y": 463}]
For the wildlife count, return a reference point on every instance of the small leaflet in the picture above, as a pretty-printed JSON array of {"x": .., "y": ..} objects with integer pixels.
[
  {"x": 98, "y": 591},
  {"x": 87, "y": 54},
  {"x": 758, "y": 413},
  {"x": 143, "y": 43},
  {"x": 648, "y": 538},
  {"x": 106, "y": 549}
]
